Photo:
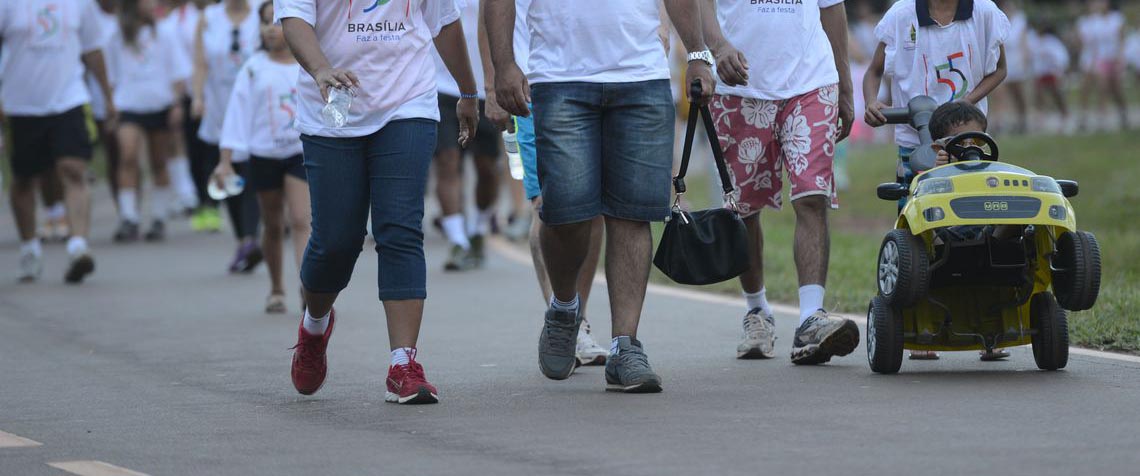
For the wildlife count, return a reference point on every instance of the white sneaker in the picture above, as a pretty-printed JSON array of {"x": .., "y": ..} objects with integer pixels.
[
  {"x": 588, "y": 351},
  {"x": 759, "y": 338},
  {"x": 31, "y": 266}
]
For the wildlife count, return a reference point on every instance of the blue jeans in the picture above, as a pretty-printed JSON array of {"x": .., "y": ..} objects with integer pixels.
[
  {"x": 385, "y": 172},
  {"x": 604, "y": 148}
]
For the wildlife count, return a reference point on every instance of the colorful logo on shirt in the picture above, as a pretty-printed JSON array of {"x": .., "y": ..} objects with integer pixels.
[
  {"x": 953, "y": 77},
  {"x": 48, "y": 20},
  {"x": 376, "y": 5},
  {"x": 287, "y": 103}
]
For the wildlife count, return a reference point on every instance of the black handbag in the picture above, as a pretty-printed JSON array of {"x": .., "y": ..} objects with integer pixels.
[{"x": 707, "y": 246}]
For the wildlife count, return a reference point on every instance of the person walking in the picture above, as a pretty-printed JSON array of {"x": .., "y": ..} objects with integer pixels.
[
  {"x": 47, "y": 46},
  {"x": 182, "y": 17},
  {"x": 1101, "y": 32},
  {"x": 228, "y": 34},
  {"x": 149, "y": 73},
  {"x": 780, "y": 109},
  {"x": 375, "y": 159},
  {"x": 603, "y": 117},
  {"x": 259, "y": 124}
]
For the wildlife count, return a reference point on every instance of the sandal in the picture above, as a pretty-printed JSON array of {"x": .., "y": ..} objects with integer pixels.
[
  {"x": 275, "y": 304},
  {"x": 994, "y": 355},
  {"x": 924, "y": 355}
]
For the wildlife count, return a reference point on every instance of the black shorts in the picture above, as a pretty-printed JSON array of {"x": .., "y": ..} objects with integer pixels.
[
  {"x": 269, "y": 174},
  {"x": 487, "y": 141},
  {"x": 148, "y": 121},
  {"x": 39, "y": 141}
]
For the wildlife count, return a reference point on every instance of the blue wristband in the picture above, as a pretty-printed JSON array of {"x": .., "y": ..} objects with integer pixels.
[{"x": 468, "y": 96}]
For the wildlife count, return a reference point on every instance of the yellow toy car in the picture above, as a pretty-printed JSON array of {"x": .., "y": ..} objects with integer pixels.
[{"x": 948, "y": 282}]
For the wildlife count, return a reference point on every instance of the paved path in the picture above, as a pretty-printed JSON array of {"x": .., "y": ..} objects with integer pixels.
[{"x": 165, "y": 365}]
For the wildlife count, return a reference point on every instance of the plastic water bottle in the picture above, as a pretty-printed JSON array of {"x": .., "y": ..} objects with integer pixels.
[
  {"x": 234, "y": 185},
  {"x": 514, "y": 158},
  {"x": 335, "y": 113}
]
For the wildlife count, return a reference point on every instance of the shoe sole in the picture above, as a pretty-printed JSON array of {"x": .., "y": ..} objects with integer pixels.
[
  {"x": 423, "y": 397},
  {"x": 643, "y": 387},
  {"x": 755, "y": 353},
  {"x": 563, "y": 375},
  {"x": 79, "y": 270},
  {"x": 839, "y": 342}
]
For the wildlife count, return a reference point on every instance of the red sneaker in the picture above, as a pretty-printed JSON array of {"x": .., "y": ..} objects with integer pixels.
[
  {"x": 407, "y": 384},
  {"x": 309, "y": 362}
]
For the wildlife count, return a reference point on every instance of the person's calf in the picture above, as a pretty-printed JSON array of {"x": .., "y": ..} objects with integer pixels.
[
  {"x": 812, "y": 239},
  {"x": 629, "y": 248},
  {"x": 564, "y": 249}
]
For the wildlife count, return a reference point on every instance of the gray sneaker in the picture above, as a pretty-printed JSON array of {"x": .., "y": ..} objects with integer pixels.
[
  {"x": 557, "y": 342},
  {"x": 478, "y": 250},
  {"x": 31, "y": 266},
  {"x": 628, "y": 370},
  {"x": 759, "y": 339},
  {"x": 460, "y": 260},
  {"x": 821, "y": 336}
]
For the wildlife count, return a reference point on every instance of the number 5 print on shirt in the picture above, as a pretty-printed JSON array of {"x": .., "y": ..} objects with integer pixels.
[
  {"x": 947, "y": 70},
  {"x": 286, "y": 102}
]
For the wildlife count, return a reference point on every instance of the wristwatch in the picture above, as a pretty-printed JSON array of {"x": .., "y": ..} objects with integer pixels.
[{"x": 704, "y": 55}]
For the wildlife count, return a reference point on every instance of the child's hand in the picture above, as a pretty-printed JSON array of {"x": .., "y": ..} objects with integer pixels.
[
  {"x": 943, "y": 158},
  {"x": 874, "y": 116}
]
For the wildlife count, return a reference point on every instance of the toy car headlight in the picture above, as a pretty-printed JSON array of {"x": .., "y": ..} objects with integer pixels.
[
  {"x": 933, "y": 186},
  {"x": 1045, "y": 184}
]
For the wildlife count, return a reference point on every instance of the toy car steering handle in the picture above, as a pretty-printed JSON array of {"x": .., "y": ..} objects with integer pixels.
[{"x": 917, "y": 114}]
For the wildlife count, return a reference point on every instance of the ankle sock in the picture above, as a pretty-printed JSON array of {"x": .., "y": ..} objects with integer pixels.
[
  {"x": 160, "y": 203},
  {"x": 453, "y": 228},
  {"x": 128, "y": 205},
  {"x": 76, "y": 245},
  {"x": 403, "y": 355},
  {"x": 571, "y": 306},
  {"x": 614, "y": 344},
  {"x": 811, "y": 300},
  {"x": 758, "y": 299},
  {"x": 32, "y": 246},
  {"x": 316, "y": 325},
  {"x": 481, "y": 225}
]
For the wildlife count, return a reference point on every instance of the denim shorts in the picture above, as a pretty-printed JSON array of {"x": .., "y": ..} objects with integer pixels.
[
  {"x": 524, "y": 127},
  {"x": 384, "y": 173},
  {"x": 604, "y": 149}
]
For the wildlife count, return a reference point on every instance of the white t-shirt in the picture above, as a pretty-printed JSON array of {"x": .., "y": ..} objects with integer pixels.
[
  {"x": 110, "y": 24},
  {"x": 1017, "y": 58},
  {"x": 1132, "y": 50},
  {"x": 144, "y": 74},
  {"x": 522, "y": 35},
  {"x": 943, "y": 62},
  {"x": 389, "y": 48},
  {"x": 43, "y": 42},
  {"x": 1050, "y": 56},
  {"x": 261, "y": 111},
  {"x": 223, "y": 63},
  {"x": 788, "y": 52},
  {"x": 469, "y": 15},
  {"x": 184, "y": 21},
  {"x": 1100, "y": 38},
  {"x": 595, "y": 41}
]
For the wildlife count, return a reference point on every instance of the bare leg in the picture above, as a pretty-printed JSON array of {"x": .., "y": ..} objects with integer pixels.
[
  {"x": 1088, "y": 85},
  {"x": 752, "y": 281},
  {"x": 1117, "y": 94},
  {"x": 564, "y": 250},
  {"x": 130, "y": 141},
  {"x": 272, "y": 203},
  {"x": 76, "y": 194},
  {"x": 404, "y": 318},
  {"x": 536, "y": 254},
  {"x": 51, "y": 188},
  {"x": 449, "y": 181},
  {"x": 320, "y": 304},
  {"x": 590, "y": 266},
  {"x": 813, "y": 240},
  {"x": 300, "y": 214},
  {"x": 629, "y": 248},
  {"x": 1020, "y": 107},
  {"x": 159, "y": 145},
  {"x": 487, "y": 183},
  {"x": 23, "y": 197}
]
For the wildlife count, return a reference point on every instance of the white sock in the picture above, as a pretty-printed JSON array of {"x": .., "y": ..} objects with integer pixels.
[
  {"x": 481, "y": 225},
  {"x": 758, "y": 299},
  {"x": 55, "y": 212},
  {"x": 403, "y": 355},
  {"x": 76, "y": 245},
  {"x": 453, "y": 228},
  {"x": 128, "y": 205},
  {"x": 315, "y": 325},
  {"x": 32, "y": 246},
  {"x": 183, "y": 181},
  {"x": 811, "y": 300},
  {"x": 571, "y": 306},
  {"x": 160, "y": 203}
]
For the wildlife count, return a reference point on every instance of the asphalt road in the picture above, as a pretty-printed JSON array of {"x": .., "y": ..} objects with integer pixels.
[{"x": 163, "y": 364}]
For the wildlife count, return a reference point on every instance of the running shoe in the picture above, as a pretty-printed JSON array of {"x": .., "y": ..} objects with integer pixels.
[
  {"x": 557, "y": 342},
  {"x": 478, "y": 250},
  {"x": 81, "y": 265},
  {"x": 310, "y": 364},
  {"x": 518, "y": 230},
  {"x": 275, "y": 304},
  {"x": 207, "y": 220},
  {"x": 408, "y": 385},
  {"x": 246, "y": 258},
  {"x": 822, "y": 336},
  {"x": 31, "y": 266},
  {"x": 128, "y": 231},
  {"x": 628, "y": 370},
  {"x": 588, "y": 350},
  {"x": 157, "y": 231},
  {"x": 460, "y": 260},
  {"x": 759, "y": 338}
]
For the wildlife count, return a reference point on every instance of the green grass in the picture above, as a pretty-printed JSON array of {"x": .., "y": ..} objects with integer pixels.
[{"x": 1108, "y": 206}]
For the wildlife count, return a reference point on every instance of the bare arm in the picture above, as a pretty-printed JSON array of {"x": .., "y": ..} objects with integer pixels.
[
  {"x": 872, "y": 81},
  {"x": 512, "y": 91},
  {"x": 93, "y": 61},
  {"x": 453, "y": 50},
  {"x": 302, "y": 40},
  {"x": 495, "y": 113},
  {"x": 686, "y": 17},
  {"x": 201, "y": 67},
  {"x": 731, "y": 64},
  {"x": 990, "y": 82},
  {"x": 834, "y": 19}
]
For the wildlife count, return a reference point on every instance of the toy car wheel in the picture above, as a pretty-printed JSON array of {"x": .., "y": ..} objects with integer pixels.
[
  {"x": 884, "y": 337},
  {"x": 904, "y": 269},
  {"x": 1051, "y": 336},
  {"x": 1076, "y": 270}
]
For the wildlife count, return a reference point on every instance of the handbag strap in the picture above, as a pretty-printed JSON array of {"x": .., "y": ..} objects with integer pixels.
[{"x": 714, "y": 143}]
